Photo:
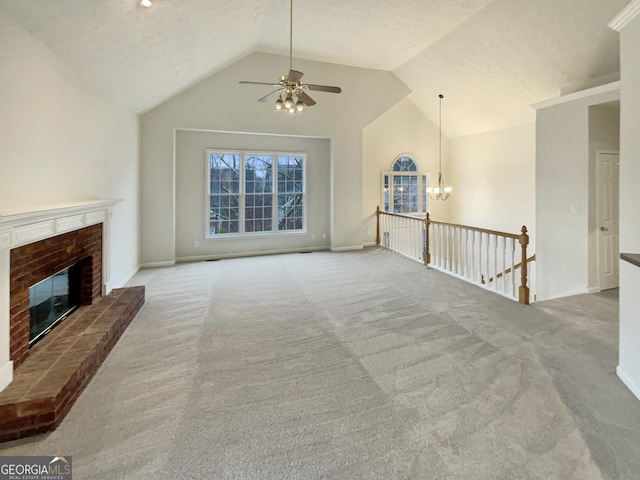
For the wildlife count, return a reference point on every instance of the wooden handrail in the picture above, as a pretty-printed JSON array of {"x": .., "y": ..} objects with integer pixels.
[
  {"x": 508, "y": 270},
  {"x": 523, "y": 239},
  {"x": 411, "y": 217},
  {"x": 477, "y": 229}
]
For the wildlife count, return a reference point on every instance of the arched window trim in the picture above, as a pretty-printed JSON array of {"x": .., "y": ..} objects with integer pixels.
[
  {"x": 409, "y": 194},
  {"x": 411, "y": 157}
]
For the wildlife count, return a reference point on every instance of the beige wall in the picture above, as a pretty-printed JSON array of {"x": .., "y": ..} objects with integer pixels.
[
  {"x": 629, "y": 363},
  {"x": 401, "y": 130},
  {"x": 63, "y": 140},
  {"x": 219, "y": 103},
  {"x": 494, "y": 179},
  {"x": 563, "y": 182}
]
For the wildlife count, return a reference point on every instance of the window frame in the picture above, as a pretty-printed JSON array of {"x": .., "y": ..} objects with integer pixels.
[
  {"x": 422, "y": 184},
  {"x": 242, "y": 193}
]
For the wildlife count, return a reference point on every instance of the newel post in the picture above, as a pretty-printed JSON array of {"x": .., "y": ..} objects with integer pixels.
[
  {"x": 427, "y": 255},
  {"x": 524, "y": 290},
  {"x": 378, "y": 225}
]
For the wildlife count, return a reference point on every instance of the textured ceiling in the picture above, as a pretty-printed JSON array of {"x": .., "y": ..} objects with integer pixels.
[{"x": 490, "y": 58}]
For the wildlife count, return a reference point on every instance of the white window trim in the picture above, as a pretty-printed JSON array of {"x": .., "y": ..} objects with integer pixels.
[
  {"x": 241, "y": 192},
  {"x": 421, "y": 185}
]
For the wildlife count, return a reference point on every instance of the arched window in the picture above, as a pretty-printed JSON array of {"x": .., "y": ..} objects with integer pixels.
[
  {"x": 404, "y": 164},
  {"x": 404, "y": 188}
]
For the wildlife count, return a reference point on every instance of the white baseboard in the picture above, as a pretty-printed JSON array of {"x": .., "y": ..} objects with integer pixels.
[
  {"x": 156, "y": 264},
  {"x": 128, "y": 277},
  {"x": 635, "y": 389},
  {"x": 370, "y": 244},
  {"x": 347, "y": 249},
  {"x": 593, "y": 290},
  {"x": 6, "y": 375},
  {"x": 202, "y": 258}
]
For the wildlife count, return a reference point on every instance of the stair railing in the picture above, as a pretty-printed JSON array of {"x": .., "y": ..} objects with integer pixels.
[
  {"x": 403, "y": 234},
  {"x": 487, "y": 258}
]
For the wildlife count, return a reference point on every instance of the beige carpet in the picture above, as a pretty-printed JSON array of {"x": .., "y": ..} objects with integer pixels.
[{"x": 354, "y": 365}]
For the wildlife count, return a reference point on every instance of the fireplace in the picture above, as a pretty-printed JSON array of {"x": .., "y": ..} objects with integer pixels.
[
  {"x": 44, "y": 251},
  {"x": 37, "y": 243},
  {"x": 51, "y": 300},
  {"x": 33, "y": 264}
]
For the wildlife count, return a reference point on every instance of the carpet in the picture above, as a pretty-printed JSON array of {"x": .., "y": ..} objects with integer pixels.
[{"x": 351, "y": 365}]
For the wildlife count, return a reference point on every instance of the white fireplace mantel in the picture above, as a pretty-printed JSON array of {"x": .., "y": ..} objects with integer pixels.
[{"x": 21, "y": 226}]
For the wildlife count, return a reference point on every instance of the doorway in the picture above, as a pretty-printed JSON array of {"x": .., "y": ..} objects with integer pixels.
[{"x": 607, "y": 213}]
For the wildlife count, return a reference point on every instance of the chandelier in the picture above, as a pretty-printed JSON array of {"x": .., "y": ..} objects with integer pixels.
[
  {"x": 441, "y": 192},
  {"x": 289, "y": 100}
]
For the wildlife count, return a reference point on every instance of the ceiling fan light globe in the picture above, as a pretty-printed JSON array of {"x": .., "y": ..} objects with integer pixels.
[
  {"x": 292, "y": 109},
  {"x": 448, "y": 190},
  {"x": 300, "y": 106},
  {"x": 288, "y": 102}
]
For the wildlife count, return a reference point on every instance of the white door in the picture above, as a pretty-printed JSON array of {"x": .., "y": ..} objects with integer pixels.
[{"x": 607, "y": 188}]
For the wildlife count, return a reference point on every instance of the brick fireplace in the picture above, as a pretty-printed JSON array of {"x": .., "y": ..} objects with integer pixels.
[
  {"x": 36, "y": 261},
  {"x": 39, "y": 385}
]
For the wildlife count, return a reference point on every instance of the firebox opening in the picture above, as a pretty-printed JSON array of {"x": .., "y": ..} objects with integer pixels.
[{"x": 52, "y": 300}]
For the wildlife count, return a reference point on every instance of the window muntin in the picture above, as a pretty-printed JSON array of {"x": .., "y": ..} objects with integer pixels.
[
  {"x": 255, "y": 193},
  {"x": 404, "y": 164},
  {"x": 404, "y": 189},
  {"x": 224, "y": 192},
  {"x": 290, "y": 193},
  {"x": 258, "y": 208},
  {"x": 405, "y": 193}
]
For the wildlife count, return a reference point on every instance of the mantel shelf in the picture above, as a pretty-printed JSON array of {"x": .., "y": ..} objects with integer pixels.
[{"x": 26, "y": 215}]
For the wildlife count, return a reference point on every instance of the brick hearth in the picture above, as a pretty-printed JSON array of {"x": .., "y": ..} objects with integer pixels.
[
  {"x": 39, "y": 385},
  {"x": 60, "y": 366}
]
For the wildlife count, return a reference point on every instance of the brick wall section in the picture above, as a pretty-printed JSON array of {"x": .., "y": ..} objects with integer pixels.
[{"x": 37, "y": 261}]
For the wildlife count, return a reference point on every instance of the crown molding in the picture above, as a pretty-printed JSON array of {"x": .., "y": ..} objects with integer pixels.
[{"x": 625, "y": 16}]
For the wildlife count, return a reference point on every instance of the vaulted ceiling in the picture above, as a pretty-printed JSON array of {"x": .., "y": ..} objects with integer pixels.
[{"x": 490, "y": 58}]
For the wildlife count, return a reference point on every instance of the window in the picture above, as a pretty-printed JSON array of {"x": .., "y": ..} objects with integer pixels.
[
  {"x": 404, "y": 188},
  {"x": 255, "y": 193}
]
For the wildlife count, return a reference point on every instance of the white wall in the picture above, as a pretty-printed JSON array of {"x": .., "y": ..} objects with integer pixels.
[
  {"x": 494, "y": 180},
  {"x": 604, "y": 134},
  {"x": 629, "y": 363},
  {"x": 562, "y": 182},
  {"x": 219, "y": 103},
  {"x": 402, "y": 130},
  {"x": 191, "y": 194},
  {"x": 63, "y": 140}
]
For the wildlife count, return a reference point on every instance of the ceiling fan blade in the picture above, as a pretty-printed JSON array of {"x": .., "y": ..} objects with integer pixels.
[
  {"x": 266, "y": 97},
  {"x": 245, "y": 82},
  {"x": 324, "y": 88},
  {"x": 306, "y": 99},
  {"x": 294, "y": 76}
]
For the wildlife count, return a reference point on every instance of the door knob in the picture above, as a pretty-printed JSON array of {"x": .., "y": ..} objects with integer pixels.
[{"x": 604, "y": 229}]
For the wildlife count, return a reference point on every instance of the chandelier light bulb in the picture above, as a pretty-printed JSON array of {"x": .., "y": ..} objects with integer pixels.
[
  {"x": 288, "y": 102},
  {"x": 145, "y": 3},
  {"x": 278, "y": 105},
  {"x": 300, "y": 106}
]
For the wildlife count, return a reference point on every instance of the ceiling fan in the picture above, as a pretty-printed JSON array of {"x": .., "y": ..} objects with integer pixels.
[{"x": 291, "y": 93}]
